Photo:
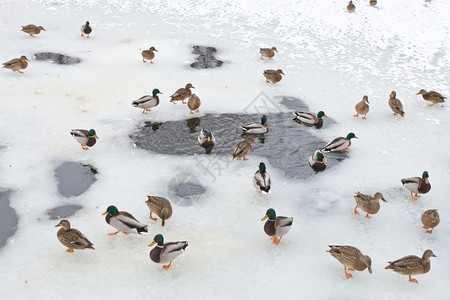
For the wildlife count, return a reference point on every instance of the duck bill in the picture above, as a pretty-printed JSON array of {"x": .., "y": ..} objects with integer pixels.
[
  {"x": 209, "y": 139},
  {"x": 370, "y": 270},
  {"x": 104, "y": 213},
  {"x": 160, "y": 93},
  {"x": 325, "y": 116},
  {"x": 265, "y": 217},
  {"x": 57, "y": 225},
  {"x": 384, "y": 200},
  {"x": 152, "y": 243},
  {"x": 356, "y": 137},
  {"x": 96, "y": 136},
  {"x": 324, "y": 161},
  {"x": 426, "y": 181}
]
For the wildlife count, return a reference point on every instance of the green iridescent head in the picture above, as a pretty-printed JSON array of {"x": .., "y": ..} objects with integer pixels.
[
  {"x": 270, "y": 213},
  {"x": 321, "y": 157},
  {"x": 321, "y": 114},
  {"x": 159, "y": 239},
  {"x": 92, "y": 132},
  {"x": 262, "y": 167},
  {"x": 87, "y": 23},
  {"x": 208, "y": 135},
  {"x": 112, "y": 210},
  {"x": 156, "y": 92},
  {"x": 351, "y": 135},
  {"x": 263, "y": 119},
  {"x": 425, "y": 175}
]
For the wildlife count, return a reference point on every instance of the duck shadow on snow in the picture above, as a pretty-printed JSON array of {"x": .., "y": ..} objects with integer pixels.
[{"x": 286, "y": 146}]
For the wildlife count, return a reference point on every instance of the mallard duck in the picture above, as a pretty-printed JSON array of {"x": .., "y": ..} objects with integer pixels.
[
  {"x": 32, "y": 29},
  {"x": 17, "y": 64},
  {"x": 351, "y": 7},
  {"x": 72, "y": 238},
  {"x": 369, "y": 204},
  {"x": 86, "y": 29},
  {"x": 84, "y": 137},
  {"x": 276, "y": 226},
  {"x": 412, "y": 265},
  {"x": 256, "y": 127},
  {"x": 182, "y": 93},
  {"x": 123, "y": 221},
  {"x": 206, "y": 139},
  {"x": 362, "y": 107},
  {"x": 317, "y": 161},
  {"x": 395, "y": 104},
  {"x": 273, "y": 75},
  {"x": 309, "y": 118},
  {"x": 432, "y": 96},
  {"x": 352, "y": 258},
  {"x": 373, "y": 2},
  {"x": 166, "y": 252},
  {"x": 261, "y": 180},
  {"x": 159, "y": 206},
  {"x": 417, "y": 185},
  {"x": 194, "y": 103},
  {"x": 430, "y": 219},
  {"x": 242, "y": 148},
  {"x": 268, "y": 52},
  {"x": 146, "y": 102},
  {"x": 148, "y": 54},
  {"x": 340, "y": 143}
]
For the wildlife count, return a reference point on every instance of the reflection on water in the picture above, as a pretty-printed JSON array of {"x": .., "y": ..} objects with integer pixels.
[{"x": 74, "y": 178}]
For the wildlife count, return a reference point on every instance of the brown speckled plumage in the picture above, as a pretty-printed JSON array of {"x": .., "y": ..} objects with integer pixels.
[
  {"x": 72, "y": 238},
  {"x": 412, "y": 265},
  {"x": 159, "y": 206},
  {"x": 351, "y": 257},
  {"x": 430, "y": 219}
]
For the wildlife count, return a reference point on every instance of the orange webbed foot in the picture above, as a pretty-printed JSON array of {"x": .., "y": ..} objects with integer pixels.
[
  {"x": 356, "y": 115},
  {"x": 412, "y": 197},
  {"x": 113, "y": 233},
  {"x": 431, "y": 104},
  {"x": 347, "y": 275},
  {"x": 126, "y": 233},
  {"x": 364, "y": 118},
  {"x": 85, "y": 147},
  {"x": 245, "y": 158},
  {"x": 355, "y": 211},
  {"x": 166, "y": 267},
  {"x": 69, "y": 250},
  {"x": 418, "y": 196},
  {"x": 412, "y": 279},
  {"x": 198, "y": 110},
  {"x": 368, "y": 217},
  {"x": 430, "y": 231},
  {"x": 144, "y": 112},
  {"x": 191, "y": 112},
  {"x": 151, "y": 218}
]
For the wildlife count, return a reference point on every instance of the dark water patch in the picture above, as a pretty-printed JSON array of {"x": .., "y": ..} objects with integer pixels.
[
  {"x": 74, "y": 178},
  {"x": 205, "y": 59},
  {"x": 185, "y": 189},
  {"x": 286, "y": 146},
  {"x": 8, "y": 218},
  {"x": 63, "y": 211},
  {"x": 57, "y": 58}
]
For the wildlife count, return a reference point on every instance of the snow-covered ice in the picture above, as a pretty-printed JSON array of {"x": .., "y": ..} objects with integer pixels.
[{"x": 331, "y": 59}]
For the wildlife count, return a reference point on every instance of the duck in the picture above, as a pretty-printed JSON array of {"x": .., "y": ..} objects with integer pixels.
[
  {"x": 273, "y": 75},
  {"x": 146, "y": 102},
  {"x": 417, "y": 185},
  {"x": 256, "y": 127},
  {"x": 123, "y": 221},
  {"x": 32, "y": 29},
  {"x": 430, "y": 219},
  {"x": 432, "y": 96},
  {"x": 166, "y": 252},
  {"x": 317, "y": 161},
  {"x": 17, "y": 64},
  {"x": 373, "y": 2},
  {"x": 396, "y": 105},
  {"x": 182, "y": 94},
  {"x": 340, "y": 143},
  {"x": 206, "y": 139},
  {"x": 194, "y": 103},
  {"x": 268, "y": 52},
  {"x": 310, "y": 118},
  {"x": 86, "y": 29},
  {"x": 369, "y": 204},
  {"x": 351, "y": 7},
  {"x": 242, "y": 148},
  {"x": 362, "y": 107},
  {"x": 261, "y": 180},
  {"x": 72, "y": 238},
  {"x": 84, "y": 137},
  {"x": 352, "y": 258},
  {"x": 412, "y": 265},
  {"x": 161, "y": 207},
  {"x": 276, "y": 226},
  {"x": 149, "y": 54}
]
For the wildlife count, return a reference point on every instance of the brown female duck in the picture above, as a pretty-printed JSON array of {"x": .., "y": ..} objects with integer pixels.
[
  {"x": 242, "y": 148},
  {"x": 72, "y": 238},
  {"x": 273, "y": 75},
  {"x": 161, "y": 207},
  {"x": 352, "y": 258},
  {"x": 395, "y": 104},
  {"x": 17, "y": 64},
  {"x": 432, "y": 96},
  {"x": 182, "y": 93},
  {"x": 149, "y": 54},
  {"x": 268, "y": 52},
  {"x": 194, "y": 103},
  {"x": 32, "y": 29},
  {"x": 369, "y": 204},
  {"x": 412, "y": 265},
  {"x": 430, "y": 219},
  {"x": 362, "y": 107}
]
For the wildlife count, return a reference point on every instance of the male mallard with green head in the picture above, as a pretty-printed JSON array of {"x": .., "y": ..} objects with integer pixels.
[
  {"x": 206, "y": 139},
  {"x": 362, "y": 107},
  {"x": 17, "y": 64},
  {"x": 369, "y": 204},
  {"x": 182, "y": 93},
  {"x": 273, "y": 75},
  {"x": 268, "y": 52},
  {"x": 352, "y": 258},
  {"x": 430, "y": 219},
  {"x": 317, "y": 161},
  {"x": 194, "y": 103},
  {"x": 412, "y": 265},
  {"x": 276, "y": 226},
  {"x": 166, "y": 252},
  {"x": 32, "y": 29},
  {"x": 72, "y": 238},
  {"x": 256, "y": 127},
  {"x": 340, "y": 143},
  {"x": 84, "y": 137},
  {"x": 417, "y": 185},
  {"x": 432, "y": 96},
  {"x": 123, "y": 221},
  {"x": 86, "y": 29},
  {"x": 242, "y": 148},
  {"x": 261, "y": 180},
  {"x": 309, "y": 118},
  {"x": 161, "y": 207},
  {"x": 396, "y": 105},
  {"x": 149, "y": 54},
  {"x": 146, "y": 102}
]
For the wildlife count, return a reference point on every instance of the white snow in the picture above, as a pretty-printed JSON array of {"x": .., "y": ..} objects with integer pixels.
[{"x": 331, "y": 59}]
